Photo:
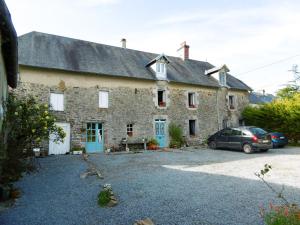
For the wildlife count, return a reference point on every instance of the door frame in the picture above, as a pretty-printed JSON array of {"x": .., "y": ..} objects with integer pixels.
[
  {"x": 166, "y": 135},
  {"x": 65, "y": 141},
  {"x": 102, "y": 138}
]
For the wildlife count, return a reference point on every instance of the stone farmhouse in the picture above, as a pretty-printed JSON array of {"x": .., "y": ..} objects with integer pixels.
[
  {"x": 8, "y": 64},
  {"x": 102, "y": 94}
]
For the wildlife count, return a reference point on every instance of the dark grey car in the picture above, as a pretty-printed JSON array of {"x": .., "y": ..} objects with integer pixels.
[{"x": 246, "y": 138}]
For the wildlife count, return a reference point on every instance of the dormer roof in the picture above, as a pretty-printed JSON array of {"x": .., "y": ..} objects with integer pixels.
[
  {"x": 161, "y": 57},
  {"x": 216, "y": 69}
]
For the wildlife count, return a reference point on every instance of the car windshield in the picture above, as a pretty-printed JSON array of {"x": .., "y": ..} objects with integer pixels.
[{"x": 257, "y": 131}]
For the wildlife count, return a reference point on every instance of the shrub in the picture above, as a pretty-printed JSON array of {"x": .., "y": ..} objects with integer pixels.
[
  {"x": 176, "y": 135},
  {"x": 282, "y": 115},
  {"x": 104, "y": 198},
  {"x": 26, "y": 124}
]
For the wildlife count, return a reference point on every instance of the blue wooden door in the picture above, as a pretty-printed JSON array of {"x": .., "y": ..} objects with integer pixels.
[
  {"x": 160, "y": 132},
  {"x": 94, "y": 138}
]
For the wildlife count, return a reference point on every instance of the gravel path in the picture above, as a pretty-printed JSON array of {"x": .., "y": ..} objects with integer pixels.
[{"x": 200, "y": 187}]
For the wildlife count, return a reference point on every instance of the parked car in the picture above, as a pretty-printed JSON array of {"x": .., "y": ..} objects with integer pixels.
[
  {"x": 246, "y": 138},
  {"x": 278, "y": 139}
]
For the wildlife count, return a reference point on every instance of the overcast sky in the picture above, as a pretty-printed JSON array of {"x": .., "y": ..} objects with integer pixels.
[{"x": 244, "y": 35}]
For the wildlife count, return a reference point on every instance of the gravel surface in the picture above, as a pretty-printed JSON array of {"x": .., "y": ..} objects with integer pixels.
[{"x": 197, "y": 187}]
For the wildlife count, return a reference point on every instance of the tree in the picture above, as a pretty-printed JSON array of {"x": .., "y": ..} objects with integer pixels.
[
  {"x": 26, "y": 124},
  {"x": 288, "y": 92}
]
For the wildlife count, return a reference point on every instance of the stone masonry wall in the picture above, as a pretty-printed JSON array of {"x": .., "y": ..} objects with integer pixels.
[{"x": 139, "y": 107}]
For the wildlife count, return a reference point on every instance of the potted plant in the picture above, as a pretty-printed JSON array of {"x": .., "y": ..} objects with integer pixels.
[
  {"x": 77, "y": 150},
  {"x": 152, "y": 144}
]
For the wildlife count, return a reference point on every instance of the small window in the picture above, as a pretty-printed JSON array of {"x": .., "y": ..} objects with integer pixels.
[
  {"x": 222, "y": 78},
  {"x": 231, "y": 101},
  {"x": 57, "y": 101},
  {"x": 192, "y": 127},
  {"x": 130, "y": 129},
  {"x": 161, "y": 98},
  {"x": 103, "y": 99},
  {"x": 191, "y": 100}
]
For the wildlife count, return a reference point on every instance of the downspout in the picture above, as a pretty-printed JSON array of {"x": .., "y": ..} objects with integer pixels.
[{"x": 218, "y": 111}]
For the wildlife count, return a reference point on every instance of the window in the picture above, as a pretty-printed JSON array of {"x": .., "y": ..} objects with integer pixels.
[
  {"x": 161, "y": 98},
  {"x": 236, "y": 132},
  {"x": 192, "y": 127},
  {"x": 191, "y": 100},
  {"x": 222, "y": 78},
  {"x": 57, "y": 101},
  {"x": 130, "y": 129},
  {"x": 160, "y": 67},
  {"x": 231, "y": 101},
  {"x": 103, "y": 99},
  {"x": 226, "y": 132}
]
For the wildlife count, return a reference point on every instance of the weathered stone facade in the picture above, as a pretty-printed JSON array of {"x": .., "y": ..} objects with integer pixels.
[{"x": 131, "y": 101}]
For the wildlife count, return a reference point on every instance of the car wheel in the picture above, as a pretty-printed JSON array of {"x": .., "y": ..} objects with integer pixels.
[
  {"x": 264, "y": 150},
  {"x": 247, "y": 148},
  {"x": 212, "y": 145}
]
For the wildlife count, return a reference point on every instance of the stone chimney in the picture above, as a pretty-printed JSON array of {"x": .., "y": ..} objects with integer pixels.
[
  {"x": 123, "y": 40},
  {"x": 184, "y": 51}
]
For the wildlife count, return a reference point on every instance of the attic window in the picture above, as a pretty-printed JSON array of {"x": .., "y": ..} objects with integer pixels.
[{"x": 222, "y": 78}]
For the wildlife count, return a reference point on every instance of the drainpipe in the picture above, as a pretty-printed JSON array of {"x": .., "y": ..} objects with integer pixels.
[{"x": 218, "y": 111}]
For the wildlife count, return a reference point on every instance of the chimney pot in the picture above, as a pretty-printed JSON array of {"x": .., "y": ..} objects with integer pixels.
[{"x": 123, "y": 40}]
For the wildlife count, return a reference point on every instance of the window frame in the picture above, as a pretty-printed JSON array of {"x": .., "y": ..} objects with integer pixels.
[
  {"x": 222, "y": 78},
  {"x": 57, "y": 104},
  {"x": 192, "y": 132},
  {"x": 162, "y": 103},
  {"x": 193, "y": 100},
  {"x": 129, "y": 129},
  {"x": 231, "y": 102}
]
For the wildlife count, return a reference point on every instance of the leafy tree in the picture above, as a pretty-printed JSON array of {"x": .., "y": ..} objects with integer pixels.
[
  {"x": 26, "y": 124},
  {"x": 288, "y": 92}
]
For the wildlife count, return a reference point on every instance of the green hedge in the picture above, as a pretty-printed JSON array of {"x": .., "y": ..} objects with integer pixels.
[{"x": 281, "y": 115}]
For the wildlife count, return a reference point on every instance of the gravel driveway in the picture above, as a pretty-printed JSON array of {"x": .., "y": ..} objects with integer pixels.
[{"x": 197, "y": 187}]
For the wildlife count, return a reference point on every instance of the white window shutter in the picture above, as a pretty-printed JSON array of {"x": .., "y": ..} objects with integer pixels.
[
  {"x": 60, "y": 102},
  {"x": 57, "y": 102},
  {"x": 103, "y": 99}
]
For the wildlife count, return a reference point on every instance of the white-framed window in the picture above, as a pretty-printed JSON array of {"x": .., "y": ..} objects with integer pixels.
[
  {"x": 57, "y": 102},
  {"x": 130, "y": 129},
  {"x": 103, "y": 99},
  {"x": 160, "y": 70},
  {"x": 161, "y": 98},
  {"x": 222, "y": 78},
  {"x": 231, "y": 102},
  {"x": 191, "y": 100}
]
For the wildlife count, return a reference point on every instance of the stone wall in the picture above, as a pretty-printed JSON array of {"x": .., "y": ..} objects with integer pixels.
[{"x": 137, "y": 106}]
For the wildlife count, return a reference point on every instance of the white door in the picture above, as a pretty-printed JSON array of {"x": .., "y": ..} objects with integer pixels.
[{"x": 60, "y": 148}]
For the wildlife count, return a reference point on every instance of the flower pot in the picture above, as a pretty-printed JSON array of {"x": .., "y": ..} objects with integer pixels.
[{"x": 77, "y": 152}]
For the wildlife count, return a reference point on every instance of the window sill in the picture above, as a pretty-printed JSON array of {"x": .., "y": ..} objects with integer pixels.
[{"x": 192, "y": 107}]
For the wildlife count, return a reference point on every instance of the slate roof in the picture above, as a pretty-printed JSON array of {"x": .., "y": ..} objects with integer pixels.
[
  {"x": 55, "y": 52},
  {"x": 9, "y": 45},
  {"x": 258, "y": 98}
]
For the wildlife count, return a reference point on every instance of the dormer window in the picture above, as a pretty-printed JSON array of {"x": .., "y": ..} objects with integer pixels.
[
  {"x": 222, "y": 78},
  {"x": 159, "y": 66}
]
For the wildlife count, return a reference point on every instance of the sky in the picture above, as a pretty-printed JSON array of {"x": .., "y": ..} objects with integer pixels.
[{"x": 259, "y": 40}]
